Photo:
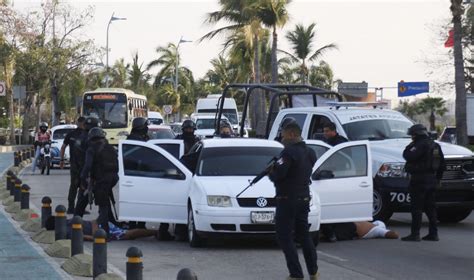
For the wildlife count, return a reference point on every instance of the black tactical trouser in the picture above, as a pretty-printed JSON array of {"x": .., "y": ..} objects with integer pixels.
[
  {"x": 291, "y": 220},
  {"x": 74, "y": 185},
  {"x": 423, "y": 200}
]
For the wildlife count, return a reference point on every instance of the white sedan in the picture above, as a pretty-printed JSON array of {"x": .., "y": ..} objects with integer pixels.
[
  {"x": 58, "y": 133},
  {"x": 155, "y": 186}
]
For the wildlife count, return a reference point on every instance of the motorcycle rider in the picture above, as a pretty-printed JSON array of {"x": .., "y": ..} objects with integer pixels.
[
  {"x": 188, "y": 128},
  {"x": 41, "y": 137}
]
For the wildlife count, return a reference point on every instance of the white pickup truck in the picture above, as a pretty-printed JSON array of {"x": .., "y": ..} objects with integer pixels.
[{"x": 386, "y": 130}]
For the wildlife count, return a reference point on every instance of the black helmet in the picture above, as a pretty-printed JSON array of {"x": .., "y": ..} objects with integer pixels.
[
  {"x": 287, "y": 121},
  {"x": 188, "y": 124},
  {"x": 43, "y": 125},
  {"x": 139, "y": 123},
  {"x": 417, "y": 130},
  {"x": 91, "y": 122},
  {"x": 96, "y": 132}
]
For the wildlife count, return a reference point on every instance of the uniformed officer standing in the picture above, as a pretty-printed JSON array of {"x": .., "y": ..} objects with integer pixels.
[
  {"x": 283, "y": 124},
  {"x": 72, "y": 140},
  {"x": 82, "y": 200},
  {"x": 101, "y": 167},
  {"x": 425, "y": 164},
  {"x": 139, "y": 130},
  {"x": 188, "y": 128},
  {"x": 330, "y": 134},
  {"x": 291, "y": 176}
]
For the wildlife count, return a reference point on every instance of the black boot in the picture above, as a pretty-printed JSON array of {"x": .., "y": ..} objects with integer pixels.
[
  {"x": 431, "y": 237},
  {"x": 411, "y": 237}
]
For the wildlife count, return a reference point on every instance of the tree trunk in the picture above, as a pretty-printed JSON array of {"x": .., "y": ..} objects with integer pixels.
[
  {"x": 432, "y": 121},
  {"x": 56, "y": 114},
  {"x": 461, "y": 127},
  {"x": 274, "y": 73},
  {"x": 259, "y": 103},
  {"x": 7, "y": 67},
  {"x": 29, "y": 114},
  {"x": 303, "y": 73}
]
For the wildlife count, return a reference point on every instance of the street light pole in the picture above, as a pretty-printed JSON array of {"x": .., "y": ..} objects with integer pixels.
[
  {"x": 112, "y": 18},
  {"x": 181, "y": 40}
]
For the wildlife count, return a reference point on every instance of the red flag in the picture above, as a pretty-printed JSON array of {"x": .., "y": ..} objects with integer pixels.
[{"x": 450, "y": 41}]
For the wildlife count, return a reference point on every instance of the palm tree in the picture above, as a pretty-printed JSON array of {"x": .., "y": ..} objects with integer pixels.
[
  {"x": 168, "y": 59},
  {"x": 222, "y": 72},
  {"x": 301, "y": 40},
  {"x": 138, "y": 76},
  {"x": 119, "y": 73},
  {"x": 273, "y": 14},
  {"x": 321, "y": 75},
  {"x": 433, "y": 106},
  {"x": 461, "y": 127},
  {"x": 407, "y": 108}
]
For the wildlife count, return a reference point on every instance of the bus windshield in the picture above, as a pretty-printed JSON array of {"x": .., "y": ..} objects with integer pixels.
[{"x": 109, "y": 108}]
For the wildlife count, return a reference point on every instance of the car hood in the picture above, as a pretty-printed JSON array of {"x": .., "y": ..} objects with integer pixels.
[
  {"x": 204, "y": 132},
  {"x": 233, "y": 185},
  {"x": 392, "y": 150}
]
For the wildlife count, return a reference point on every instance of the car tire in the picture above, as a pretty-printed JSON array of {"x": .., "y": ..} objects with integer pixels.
[
  {"x": 195, "y": 240},
  {"x": 381, "y": 207},
  {"x": 453, "y": 215}
]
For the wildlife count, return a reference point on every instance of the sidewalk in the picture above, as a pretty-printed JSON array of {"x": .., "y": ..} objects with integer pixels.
[{"x": 19, "y": 257}]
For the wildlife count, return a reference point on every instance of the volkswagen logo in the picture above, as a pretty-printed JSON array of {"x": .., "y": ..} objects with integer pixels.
[{"x": 261, "y": 202}]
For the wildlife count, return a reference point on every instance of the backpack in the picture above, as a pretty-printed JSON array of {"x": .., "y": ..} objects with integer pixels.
[
  {"x": 107, "y": 159},
  {"x": 434, "y": 157}
]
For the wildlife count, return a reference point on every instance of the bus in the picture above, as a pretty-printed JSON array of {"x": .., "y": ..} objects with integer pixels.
[{"x": 115, "y": 108}]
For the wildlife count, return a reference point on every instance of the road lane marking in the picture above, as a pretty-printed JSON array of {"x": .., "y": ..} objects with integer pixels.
[{"x": 332, "y": 256}]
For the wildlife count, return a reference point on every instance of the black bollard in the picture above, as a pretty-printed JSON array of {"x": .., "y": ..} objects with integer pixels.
[
  {"x": 77, "y": 236},
  {"x": 45, "y": 210},
  {"x": 9, "y": 177},
  {"x": 60, "y": 223},
  {"x": 25, "y": 197},
  {"x": 23, "y": 155},
  {"x": 134, "y": 264},
  {"x": 186, "y": 274},
  {"x": 99, "y": 253},
  {"x": 16, "y": 159},
  {"x": 17, "y": 191},
  {"x": 12, "y": 184}
]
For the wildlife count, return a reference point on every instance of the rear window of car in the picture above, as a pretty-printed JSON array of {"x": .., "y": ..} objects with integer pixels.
[
  {"x": 161, "y": 134},
  {"x": 235, "y": 161},
  {"x": 60, "y": 134}
]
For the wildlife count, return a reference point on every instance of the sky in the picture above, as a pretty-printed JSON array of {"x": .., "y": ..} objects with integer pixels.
[{"x": 380, "y": 42}]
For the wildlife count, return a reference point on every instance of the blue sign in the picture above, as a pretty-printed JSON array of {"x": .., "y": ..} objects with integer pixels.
[{"x": 412, "y": 88}]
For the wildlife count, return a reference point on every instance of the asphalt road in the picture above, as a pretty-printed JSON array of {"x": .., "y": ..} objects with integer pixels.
[{"x": 451, "y": 258}]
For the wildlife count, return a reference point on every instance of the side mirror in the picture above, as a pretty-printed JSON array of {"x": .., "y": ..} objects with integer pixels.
[{"x": 322, "y": 174}]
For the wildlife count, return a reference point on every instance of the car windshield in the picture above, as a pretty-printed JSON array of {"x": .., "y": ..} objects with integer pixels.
[
  {"x": 205, "y": 123},
  {"x": 155, "y": 121},
  {"x": 235, "y": 161},
  {"x": 379, "y": 129},
  {"x": 110, "y": 109},
  {"x": 230, "y": 114},
  {"x": 161, "y": 134},
  {"x": 60, "y": 134}
]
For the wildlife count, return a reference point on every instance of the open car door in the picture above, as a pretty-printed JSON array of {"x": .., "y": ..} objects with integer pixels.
[
  {"x": 318, "y": 146},
  {"x": 153, "y": 185},
  {"x": 342, "y": 177}
]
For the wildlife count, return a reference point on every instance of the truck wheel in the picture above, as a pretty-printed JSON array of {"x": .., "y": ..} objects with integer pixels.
[
  {"x": 381, "y": 209},
  {"x": 195, "y": 240},
  {"x": 453, "y": 215}
]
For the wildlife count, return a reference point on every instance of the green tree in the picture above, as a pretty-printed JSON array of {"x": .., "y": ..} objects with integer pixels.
[
  {"x": 119, "y": 73},
  {"x": 457, "y": 11},
  {"x": 138, "y": 76},
  {"x": 432, "y": 106},
  {"x": 301, "y": 41},
  {"x": 408, "y": 109},
  {"x": 321, "y": 76}
]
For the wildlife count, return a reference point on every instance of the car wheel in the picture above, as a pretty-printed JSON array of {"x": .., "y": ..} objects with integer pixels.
[
  {"x": 381, "y": 209},
  {"x": 194, "y": 239},
  {"x": 453, "y": 215}
]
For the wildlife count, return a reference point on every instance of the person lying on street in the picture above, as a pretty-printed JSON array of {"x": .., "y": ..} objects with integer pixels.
[{"x": 357, "y": 230}]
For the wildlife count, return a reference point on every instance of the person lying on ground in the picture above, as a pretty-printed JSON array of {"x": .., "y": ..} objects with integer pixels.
[
  {"x": 357, "y": 230},
  {"x": 115, "y": 232}
]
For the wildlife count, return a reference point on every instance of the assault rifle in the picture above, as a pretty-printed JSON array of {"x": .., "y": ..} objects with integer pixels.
[{"x": 262, "y": 174}]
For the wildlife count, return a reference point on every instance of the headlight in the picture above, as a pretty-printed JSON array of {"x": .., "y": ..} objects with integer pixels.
[
  {"x": 219, "y": 201},
  {"x": 392, "y": 170},
  {"x": 123, "y": 133}
]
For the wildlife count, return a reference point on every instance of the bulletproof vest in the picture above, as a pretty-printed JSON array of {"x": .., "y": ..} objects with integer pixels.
[
  {"x": 429, "y": 163},
  {"x": 105, "y": 159}
]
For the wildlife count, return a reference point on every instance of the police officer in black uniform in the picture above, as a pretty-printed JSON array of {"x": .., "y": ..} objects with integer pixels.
[
  {"x": 283, "y": 124},
  {"x": 291, "y": 176},
  {"x": 72, "y": 140},
  {"x": 101, "y": 166},
  {"x": 188, "y": 128},
  {"x": 425, "y": 165},
  {"x": 139, "y": 130},
  {"x": 330, "y": 134},
  {"x": 82, "y": 200}
]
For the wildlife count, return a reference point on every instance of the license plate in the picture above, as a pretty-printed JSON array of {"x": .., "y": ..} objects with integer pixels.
[{"x": 259, "y": 217}]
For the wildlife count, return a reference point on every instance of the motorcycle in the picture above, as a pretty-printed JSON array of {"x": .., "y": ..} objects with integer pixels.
[{"x": 45, "y": 158}]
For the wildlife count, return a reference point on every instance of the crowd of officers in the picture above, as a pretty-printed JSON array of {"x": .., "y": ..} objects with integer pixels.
[{"x": 94, "y": 169}]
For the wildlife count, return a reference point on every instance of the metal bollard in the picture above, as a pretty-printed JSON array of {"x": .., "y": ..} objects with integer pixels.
[
  {"x": 16, "y": 159},
  {"x": 23, "y": 155},
  {"x": 12, "y": 184},
  {"x": 25, "y": 197},
  {"x": 77, "y": 236},
  {"x": 9, "y": 177},
  {"x": 17, "y": 191},
  {"x": 99, "y": 253},
  {"x": 60, "y": 223},
  {"x": 45, "y": 210},
  {"x": 186, "y": 274},
  {"x": 134, "y": 264}
]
